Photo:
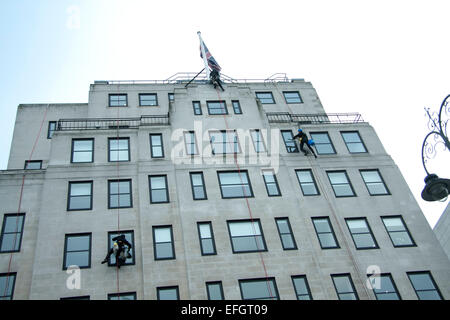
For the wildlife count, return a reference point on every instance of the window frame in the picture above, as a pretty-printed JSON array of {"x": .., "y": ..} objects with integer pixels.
[
  {"x": 275, "y": 182},
  {"x": 241, "y": 185},
  {"x": 337, "y": 246},
  {"x": 265, "y": 92},
  {"x": 89, "y": 250},
  {"x": 389, "y": 276},
  {"x": 110, "y": 95},
  {"x": 413, "y": 243},
  {"x": 194, "y": 139},
  {"x": 173, "y": 257},
  {"x": 160, "y": 135},
  {"x": 118, "y": 194},
  {"x": 299, "y": 97},
  {"x": 291, "y": 233},
  {"x": 261, "y": 235},
  {"x": 349, "y": 277},
  {"x": 361, "y": 141},
  {"x": 155, "y": 95},
  {"x": 265, "y": 280},
  {"x": 224, "y": 136},
  {"x": 212, "y": 239},
  {"x": 73, "y": 151},
  {"x": 203, "y": 185},
  {"x": 166, "y": 188},
  {"x": 221, "y": 102},
  {"x": 436, "y": 288},
  {"x": 369, "y": 232},
  {"x": 308, "y": 289},
  {"x": 118, "y": 150},
  {"x": 2, "y": 234},
  {"x": 313, "y": 182},
  {"x": 288, "y": 148},
  {"x": 316, "y": 143},
  {"x": 158, "y": 289},
  {"x": 51, "y": 130},
  {"x": 197, "y": 107},
  {"x": 8, "y": 276},
  {"x": 32, "y": 161},
  {"x": 69, "y": 197},
  {"x": 208, "y": 283},
  {"x": 348, "y": 182},
  {"x": 388, "y": 193},
  {"x": 258, "y": 142},
  {"x": 236, "y": 106},
  {"x": 119, "y": 295},
  {"x": 110, "y": 235}
]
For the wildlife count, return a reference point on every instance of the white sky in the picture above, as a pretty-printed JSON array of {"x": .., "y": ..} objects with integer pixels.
[{"x": 384, "y": 59}]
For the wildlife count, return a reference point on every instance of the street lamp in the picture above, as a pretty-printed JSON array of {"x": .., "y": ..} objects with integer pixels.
[{"x": 436, "y": 189}]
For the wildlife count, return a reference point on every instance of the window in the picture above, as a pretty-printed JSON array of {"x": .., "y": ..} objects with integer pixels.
[
  {"x": 76, "y": 298},
  {"x": 80, "y": 195},
  {"x": 289, "y": 142},
  {"x": 384, "y": 287},
  {"x": 77, "y": 251},
  {"x": 206, "y": 236},
  {"x": 156, "y": 145},
  {"x": 7, "y": 284},
  {"x": 234, "y": 184},
  {"x": 163, "y": 243},
  {"x": 361, "y": 233},
  {"x": 82, "y": 150},
  {"x": 374, "y": 182},
  {"x": 344, "y": 287},
  {"x": 190, "y": 143},
  {"x": 301, "y": 288},
  {"x": 168, "y": 293},
  {"x": 129, "y": 236},
  {"x": 148, "y": 99},
  {"x": 325, "y": 233},
  {"x": 159, "y": 192},
  {"x": 259, "y": 289},
  {"x": 307, "y": 183},
  {"x": 246, "y": 236},
  {"x": 118, "y": 100},
  {"x": 215, "y": 290},
  {"x": 120, "y": 195},
  {"x": 285, "y": 232},
  {"x": 171, "y": 97},
  {"x": 119, "y": 149},
  {"x": 122, "y": 296},
  {"x": 12, "y": 231},
  {"x": 323, "y": 143},
  {"x": 271, "y": 183},
  {"x": 51, "y": 129},
  {"x": 353, "y": 142},
  {"x": 198, "y": 186},
  {"x": 340, "y": 183},
  {"x": 292, "y": 97},
  {"x": 258, "y": 141},
  {"x": 399, "y": 234},
  {"x": 236, "y": 107},
  {"x": 197, "y": 108},
  {"x": 265, "y": 97},
  {"x": 224, "y": 142},
  {"x": 217, "y": 107},
  {"x": 33, "y": 164},
  {"x": 424, "y": 285}
]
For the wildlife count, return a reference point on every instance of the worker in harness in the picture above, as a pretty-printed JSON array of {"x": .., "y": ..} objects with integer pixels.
[
  {"x": 303, "y": 138},
  {"x": 121, "y": 249},
  {"x": 215, "y": 79}
]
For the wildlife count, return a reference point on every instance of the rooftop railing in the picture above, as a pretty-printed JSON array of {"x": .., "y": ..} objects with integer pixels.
[
  {"x": 112, "y": 123},
  {"x": 285, "y": 117}
]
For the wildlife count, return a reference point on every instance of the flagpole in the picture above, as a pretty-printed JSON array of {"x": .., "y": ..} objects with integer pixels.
[{"x": 205, "y": 61}]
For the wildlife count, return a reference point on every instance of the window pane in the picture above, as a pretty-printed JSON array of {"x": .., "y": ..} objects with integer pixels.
[
  {"x": 215, "y": 291},
  {"x": 244, "y": 228},
  {"x": 357, "y": 226},
  {"x": 80, "y": 259},
  {"x": 377, "y": 188},
  {"x": 207, "y": 246},
  {"x": 7, "y": 281},
  {"x": 205, "y": 230},
  {"x": 292, "y": 97},
  {"x": 168, "y": 294},
  {"x": 77, "y": 243},
  {"x": 356, "y": 148},
  {"x": 163, "y": 234},
  {"x": 80, "y": 202},
  {"x": 322, "y": 225},
  {"x": 364, "y": 240},
  {"x": 33, "y": 165},
  {"x": 343, "y": 284},
  {"x": 338, "y": 177},
  {"x": 80, "y": 189},
  {"x": 8, "y": 243},
  {"x": 82, "y": 145},
  {"x": 327, "y": 240},
  {"x": 283, "y": 226},
  {"x": 164, "y": 250},
  {"x": 13, "y": 224},
  {"x": 82, "y": 157},
  {"x": 288, "y": 241},
  {"x": 324, "y": 149},
  {"x": 260, "y": 289},
  {"x": 342, "y": 190},
  {"x": 422, "y": 281},
  {"x": 401, "y": 238}
]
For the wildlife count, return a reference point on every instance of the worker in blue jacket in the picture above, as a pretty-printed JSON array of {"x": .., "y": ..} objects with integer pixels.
[{"x": 303, "y": 138}]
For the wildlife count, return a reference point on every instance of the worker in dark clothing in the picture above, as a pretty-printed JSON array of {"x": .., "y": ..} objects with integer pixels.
[
  {"x": 303, "y": 138},
  {"x": 215, "y": 79},
  {"x": 121, "y": 252}
]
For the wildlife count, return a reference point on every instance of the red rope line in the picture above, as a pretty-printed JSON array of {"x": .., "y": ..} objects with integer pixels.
[
  {"x": 118, "y": 203},
  {"x": 20, "y": 202}
]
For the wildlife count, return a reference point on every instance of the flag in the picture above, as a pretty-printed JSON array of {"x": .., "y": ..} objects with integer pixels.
[{"x": 212, "y": 63}]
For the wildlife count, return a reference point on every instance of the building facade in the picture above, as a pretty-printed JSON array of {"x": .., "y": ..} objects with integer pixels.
[
  {"x": 442, "y": 230},
  {"x": 216, "y": 197}
]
